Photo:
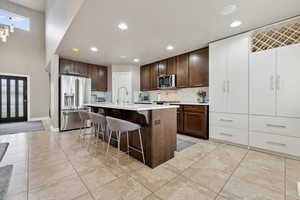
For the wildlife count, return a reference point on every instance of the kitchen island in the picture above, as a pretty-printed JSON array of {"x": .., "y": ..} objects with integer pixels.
[{"x": 159, "y": 128}]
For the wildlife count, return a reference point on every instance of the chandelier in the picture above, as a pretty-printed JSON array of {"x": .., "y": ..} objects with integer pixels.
[{"x": 6, "y": 30}]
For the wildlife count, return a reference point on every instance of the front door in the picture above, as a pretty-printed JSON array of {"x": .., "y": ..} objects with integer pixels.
[{"x": 13, "y": 99}]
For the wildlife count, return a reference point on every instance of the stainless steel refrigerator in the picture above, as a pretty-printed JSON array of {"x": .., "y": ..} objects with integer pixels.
[{"x": 75, "y": 92}]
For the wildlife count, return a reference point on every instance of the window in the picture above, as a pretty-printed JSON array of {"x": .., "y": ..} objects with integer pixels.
[{"x": 20, "y": 22}]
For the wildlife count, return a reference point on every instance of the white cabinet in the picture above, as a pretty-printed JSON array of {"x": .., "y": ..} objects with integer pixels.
[
  {"x": 229, "y": 75},
  {"x": 288, "y": 80},
  {"x": 262, "y": 82},
  {"x": 275, "y": 83}
]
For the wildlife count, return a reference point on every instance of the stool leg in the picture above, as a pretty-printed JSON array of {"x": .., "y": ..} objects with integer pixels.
[
  {"x": 127, "y": 143},
  {"x": 141, "y": 142},
  {"x": 119, "y": 141},
  {"x": 109, "y": 138}
]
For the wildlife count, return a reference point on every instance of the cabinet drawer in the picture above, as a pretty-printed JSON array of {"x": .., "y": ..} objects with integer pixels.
[
  {"x": 281, "y": 126},
  {"x": 194, "y": 108},
  {"x": 276, "y": 143},
  {"x": 230, "y": 135},
  {"x": 229, "y": 120}
]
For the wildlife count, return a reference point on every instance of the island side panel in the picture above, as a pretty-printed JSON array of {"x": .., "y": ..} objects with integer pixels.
[{"x": 163, "y": 135}]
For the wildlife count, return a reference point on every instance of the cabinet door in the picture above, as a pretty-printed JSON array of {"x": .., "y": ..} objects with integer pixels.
[
  {"x": 66, "y": 66},
  {"x": 180, "y": 121},
  {"x": 218, "y": 76},
  {"x": 145, "y": 78},
  {"x": 92, "y": 74},
  {"x": 153, "y": 76},
  {"x": 195, "y": 123},
  {"x": 198, "y": 68},
  {"x": 262, "y": 83},
  {"x": 238, "y": 72},
  {"x": 101, "y": 81},
  {"x": 162, "y": 67},
  {"x": 171, "y": 66},
  {"x": 288, "y": 81},
  {"x": 182, "y": 71}
]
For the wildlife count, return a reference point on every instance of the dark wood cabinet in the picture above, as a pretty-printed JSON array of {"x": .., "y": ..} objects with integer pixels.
[
  {"x": 193, "y": 120},
  {"x": 191, "y": 70},
  {"x": 97, "y": 73},
  {"x": 153, "y": 76},
  {"x": 162, "y": 68},
  {"x": 198, "y": 68},
  {"x": 182, "y": 78},
  {"x": 172, "y": 66},
  {"x": 145, "y": 77}
]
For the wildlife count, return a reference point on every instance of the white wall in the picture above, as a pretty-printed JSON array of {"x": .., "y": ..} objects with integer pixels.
[
  {"x": 135, "y": 74},
  {"x": 59, "y": 16},
  {"x": 24, "y": 53}
]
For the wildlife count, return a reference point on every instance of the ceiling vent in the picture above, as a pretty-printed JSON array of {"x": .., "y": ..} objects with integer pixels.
[{"x": 275, "y": 36}]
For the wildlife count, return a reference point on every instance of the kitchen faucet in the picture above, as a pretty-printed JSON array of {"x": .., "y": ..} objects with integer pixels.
[{"x": 120, "y": 88}]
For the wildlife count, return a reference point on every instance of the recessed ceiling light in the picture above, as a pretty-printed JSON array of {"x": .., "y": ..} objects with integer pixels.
[
  {"x": 227, "y": 10},
  {"x": 123, "y": 57},
  {"x": 170, "y": 48},
  {"x": 236, "y": 23},
  {"x": 136, "y": 60},
  {"x": 123, "y": 26},
  {"x": 94, "y": 49},
  {"x": 75, "y": 50}
]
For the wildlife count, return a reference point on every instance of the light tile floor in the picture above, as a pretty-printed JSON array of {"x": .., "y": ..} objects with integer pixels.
[{"x": 58, "y": 166}]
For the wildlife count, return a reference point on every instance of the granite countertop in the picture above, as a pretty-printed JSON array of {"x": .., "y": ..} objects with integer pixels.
[
  {"x": 133, "y": 107},
  {"x": 179, "y": 103}
]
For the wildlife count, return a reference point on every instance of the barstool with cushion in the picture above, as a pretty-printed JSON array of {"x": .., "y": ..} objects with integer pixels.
[
  {"x": 121, "y": 126},
  {"x": 99, "y": 125},
  {"x": 84, "y": 117}
]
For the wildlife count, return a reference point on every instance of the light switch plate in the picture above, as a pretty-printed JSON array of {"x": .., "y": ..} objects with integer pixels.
[{"x": 298, "y": 186}]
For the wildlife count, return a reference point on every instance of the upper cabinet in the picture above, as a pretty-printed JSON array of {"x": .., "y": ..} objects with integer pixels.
[
  {"x": 191, "y": 70},
  {"x": 145, "y": 77},
  {"x": 98, "y": 74},
  {"x": 229, "y": 75},
  {"x": 182, "y": 78},
  {"x": 172, "y": 66},
  {"x": 198, "y": 68},
  {"x": 274, "y": 78},
  {"x": 162, "y": 68}
]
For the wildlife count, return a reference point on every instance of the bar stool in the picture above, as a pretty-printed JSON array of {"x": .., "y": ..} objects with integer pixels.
[
  {"x": 121, "y": 126},
  {"x": 99, "y": 125},
  {"x": 84, "y": 117}
]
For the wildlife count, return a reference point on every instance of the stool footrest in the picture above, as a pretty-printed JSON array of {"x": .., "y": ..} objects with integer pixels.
[{"x": 138, "y": 150}]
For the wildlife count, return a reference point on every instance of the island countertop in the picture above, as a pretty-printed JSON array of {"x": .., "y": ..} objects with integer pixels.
[{"x": 132, "y": 107}]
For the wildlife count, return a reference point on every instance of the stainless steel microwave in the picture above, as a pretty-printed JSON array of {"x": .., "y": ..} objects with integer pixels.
[{"x": 167, "y": 81}]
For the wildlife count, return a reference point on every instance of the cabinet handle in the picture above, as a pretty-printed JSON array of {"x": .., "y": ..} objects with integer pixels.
[
  {"x": 228, "y": 86},
  {"x": 272, "y": 83},
  {"x": 275, "y": 126},
  {"x": 224, "y": 86},
  {"x": 278, "y": 82},
  {"x": 226, "y": 134},
  {"x": 276, "y": 144},
  {"x": 226, "y": 120}
]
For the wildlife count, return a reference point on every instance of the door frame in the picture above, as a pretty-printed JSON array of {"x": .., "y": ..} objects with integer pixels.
[{"x": 28, "y": 89}]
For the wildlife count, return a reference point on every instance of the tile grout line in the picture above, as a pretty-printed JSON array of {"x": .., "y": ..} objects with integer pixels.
[
  {"x": 239, "y": 164},
  {"x": 284, "y": 190},
  {"x": 89, "y": 192}
]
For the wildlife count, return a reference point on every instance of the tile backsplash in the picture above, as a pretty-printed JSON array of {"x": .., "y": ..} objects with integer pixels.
[{"x": 184, "y": 95}]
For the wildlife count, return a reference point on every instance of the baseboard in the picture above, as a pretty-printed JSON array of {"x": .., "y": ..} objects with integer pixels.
[
  {"x": 39, "y": 118},
  {"x": 53, "y": 129}
]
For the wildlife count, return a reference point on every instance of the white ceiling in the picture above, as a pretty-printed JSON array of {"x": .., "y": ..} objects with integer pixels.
[
  {"x": 154, "y": 24},
  {"x": 38, "y": 5}
]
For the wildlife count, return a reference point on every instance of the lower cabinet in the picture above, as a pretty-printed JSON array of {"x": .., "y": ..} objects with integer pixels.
[
  {"x": 193, "y": 120},
  {"x": 229, "y": 127}
]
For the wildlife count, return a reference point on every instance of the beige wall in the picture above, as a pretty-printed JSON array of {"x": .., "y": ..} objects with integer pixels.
[
  {"x": 24, "y": 53},
  {"x": 59, "y": 16}
]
